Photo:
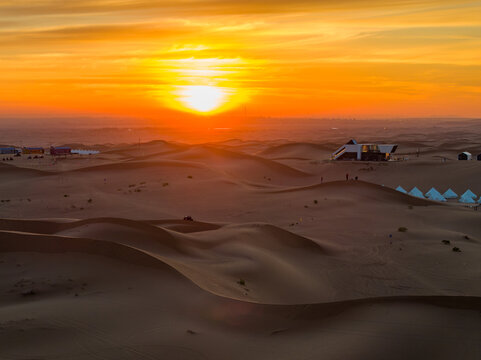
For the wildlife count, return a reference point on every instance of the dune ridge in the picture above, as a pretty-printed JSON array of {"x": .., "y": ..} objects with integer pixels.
[
  {"x": 96, "y": 261},
  {"x": 276, "y": 266},
  {"x": 364, "y": 189},
  {"x": 298, "y": 150}
]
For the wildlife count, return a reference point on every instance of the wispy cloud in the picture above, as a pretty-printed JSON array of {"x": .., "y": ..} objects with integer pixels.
[{"x": 337, "y": 52}]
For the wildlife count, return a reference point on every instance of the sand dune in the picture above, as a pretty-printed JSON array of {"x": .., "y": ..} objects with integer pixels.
[
  {"x": 174, "y": 319},
  {"x": 136, "y": 165},
  {"x": 230, "y": 159},
  {"x": 145, "y": 149},
  {"x": 273, "y": 265},
  {"x": 298, "y": 151},
  {"x": 236, "y": 165},
  {"x": 361, "y": 191},
  {"x": 14, "y": 172},
  {"x": 96, "y": 261}
]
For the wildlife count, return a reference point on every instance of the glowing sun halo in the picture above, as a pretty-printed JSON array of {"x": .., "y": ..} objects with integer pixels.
[
  {"x": 203, "y": 86},
  {"x": 202, "y": 98}
]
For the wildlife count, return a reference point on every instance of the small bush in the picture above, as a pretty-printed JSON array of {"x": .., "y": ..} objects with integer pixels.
[
  {"x": 466, "y": 237},
  {"x": 306, "y": 206},
  {"x": 131, "y": 185},
  {"x": 402, "y": 229},
  {"x": 165, "y": 184},
  {"x": 446, "y": 242},
  {"x": 89, "y": 201},
  {"x": 241, "y": 282},
  {"x": 315, "y": 201},
  {"x": 65, "y": 195},
  {"x": 456, "y": 249},
  {"x": 189, "y": 177}
]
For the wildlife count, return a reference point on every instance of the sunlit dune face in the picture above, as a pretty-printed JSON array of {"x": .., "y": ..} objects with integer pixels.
[
  {"x": 203, "y": 86},
  {"x": 202, "y": 98}
]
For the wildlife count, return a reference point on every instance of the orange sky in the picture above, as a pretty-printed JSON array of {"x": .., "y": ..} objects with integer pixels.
[{"x": 165, "y": 59}]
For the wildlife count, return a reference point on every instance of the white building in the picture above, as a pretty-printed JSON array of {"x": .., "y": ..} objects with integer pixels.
[{"x": 364, "y": 152}]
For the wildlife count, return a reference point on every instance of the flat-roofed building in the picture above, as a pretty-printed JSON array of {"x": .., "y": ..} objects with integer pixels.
[
  {"x": 364, "y": 152},
  {"x": 33, "y": 150}
]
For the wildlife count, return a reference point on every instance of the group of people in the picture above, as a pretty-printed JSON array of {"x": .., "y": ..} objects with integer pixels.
[
  {"x": 347, "y": 178},
  {"x": 7, "y": 159}
]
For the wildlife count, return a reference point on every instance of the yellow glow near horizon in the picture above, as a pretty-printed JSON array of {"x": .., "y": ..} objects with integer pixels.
[
  {"x": 151, "y": 59},
  {"x": 202, "y": 98},
  {"x": 203, "y": 86}
]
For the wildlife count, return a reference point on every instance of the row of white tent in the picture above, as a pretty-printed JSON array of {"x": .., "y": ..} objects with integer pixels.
[{"x": 468, "y": 196}]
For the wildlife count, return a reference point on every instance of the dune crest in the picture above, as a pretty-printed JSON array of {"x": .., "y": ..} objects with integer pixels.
[{"x": 255, "y": 262}]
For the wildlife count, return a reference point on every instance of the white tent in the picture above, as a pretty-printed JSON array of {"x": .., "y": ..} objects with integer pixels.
[
  {"x": 467, "y": 200},
  {"x": 469, "y": 193},
  {"x": 465, "y": 156},
  {"x": 416, "y": 192},
  {"x": 450, "y": 194},
  {"x": 436, "y": 197},
  {"x": 401, "y": 189},
  {"x": 431, "y": 192}
]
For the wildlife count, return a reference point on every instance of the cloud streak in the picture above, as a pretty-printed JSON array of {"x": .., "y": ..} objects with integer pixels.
[{"x": 329, "y": 55}]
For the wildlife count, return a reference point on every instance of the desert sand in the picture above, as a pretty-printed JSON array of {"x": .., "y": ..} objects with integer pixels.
[{"x": 96, "y": 261}]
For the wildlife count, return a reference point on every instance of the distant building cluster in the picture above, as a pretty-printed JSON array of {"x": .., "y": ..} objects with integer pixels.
[
  {"x": 53, "y": 151},
  {"x": 378, "y": 152}
]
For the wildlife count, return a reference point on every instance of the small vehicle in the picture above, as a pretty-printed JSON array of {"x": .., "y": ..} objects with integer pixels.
[{"x": 188, "y": 218}]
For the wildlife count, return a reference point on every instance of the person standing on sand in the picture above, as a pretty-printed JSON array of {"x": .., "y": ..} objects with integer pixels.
[
  {"x": 347, "y": 176},
  {"x": 322, "y": 179}
]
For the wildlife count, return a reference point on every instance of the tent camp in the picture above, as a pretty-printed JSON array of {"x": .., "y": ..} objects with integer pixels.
[
  {"x": 450, "y": 194},
  {"x": 431, "y": 192},
  {"x": 467, "y": 200},
  {"x": 401, "y": 189},
  {"x": 469, "y": 193},
  {"x": 416, "y": 192},
  {"x": 435, "y": 196}
]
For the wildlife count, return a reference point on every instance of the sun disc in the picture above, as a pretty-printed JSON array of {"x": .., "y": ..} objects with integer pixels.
[{"x": 202, "y": 98}]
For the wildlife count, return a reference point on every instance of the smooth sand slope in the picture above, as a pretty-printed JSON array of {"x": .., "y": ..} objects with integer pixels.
[{"x": 97, "y": 263}]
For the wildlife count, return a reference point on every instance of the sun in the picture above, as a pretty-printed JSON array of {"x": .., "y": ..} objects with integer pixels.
[
  {"x": 203, "y": 86},
  {"x": 202, "y": 98}
]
